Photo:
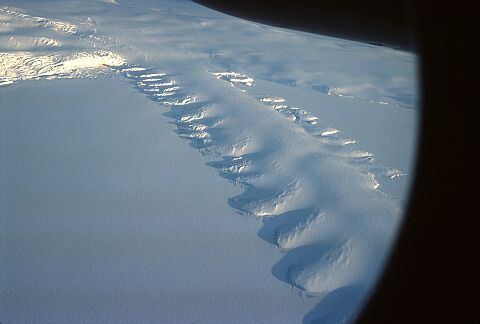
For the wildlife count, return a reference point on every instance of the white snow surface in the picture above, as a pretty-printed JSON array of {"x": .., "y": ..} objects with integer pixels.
[{"x": 315, "y": 135}]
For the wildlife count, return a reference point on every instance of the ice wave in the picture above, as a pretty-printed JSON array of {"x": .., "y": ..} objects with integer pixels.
[{"x": 320, "y": 200}]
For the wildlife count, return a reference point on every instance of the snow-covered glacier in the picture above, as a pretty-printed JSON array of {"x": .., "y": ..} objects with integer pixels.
[{"x": 163, "y": 162}]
